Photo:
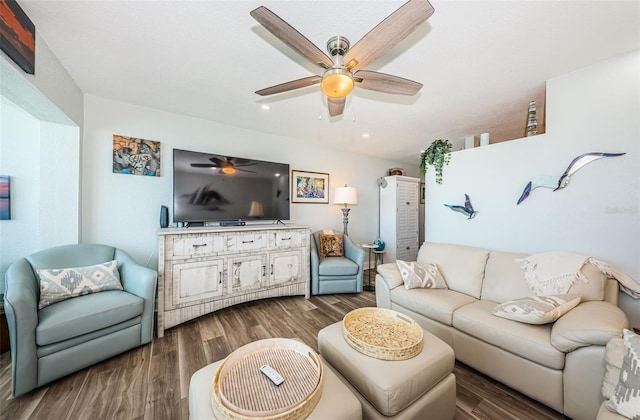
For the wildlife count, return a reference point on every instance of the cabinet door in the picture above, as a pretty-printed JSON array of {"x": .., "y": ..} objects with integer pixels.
[
  {"x": 407, "y": 201},
  {"x": 246, "y": 273},
  {"x": 285, "y": 267},
  {"x": 407, "y": 249},
  {"x": 196, "y": 281}
]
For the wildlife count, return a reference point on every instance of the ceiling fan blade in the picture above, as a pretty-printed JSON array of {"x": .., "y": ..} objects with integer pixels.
[
  {"x": 336, "y": 105},
  {"x": 290, "y": 36},
  {"x": 396, "y": 27},
  {"x": 203, "y": 165},
  {"x": 372, "y": 80},
  {"x": 294, "y": 84}
]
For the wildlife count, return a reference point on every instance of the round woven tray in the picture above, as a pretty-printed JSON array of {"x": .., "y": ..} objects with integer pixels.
[
  {"x": 382, "y": 333},
  {"x": 241, "y": 391}
]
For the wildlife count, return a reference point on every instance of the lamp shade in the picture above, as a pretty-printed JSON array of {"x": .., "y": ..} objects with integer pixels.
[
  {"x": 345, "y": 195},
  {"x": 256, "y": 209}
]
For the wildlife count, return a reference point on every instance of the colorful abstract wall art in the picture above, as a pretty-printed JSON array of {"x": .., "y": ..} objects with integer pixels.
[
  {"x": 5, "y": 197},
  {"x": 133, "y": 156},
  {"x": 17, "y": 35},
  {"x": 309, "y": 187}
]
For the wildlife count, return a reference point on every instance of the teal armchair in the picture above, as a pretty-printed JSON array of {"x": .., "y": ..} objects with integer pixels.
[
  {"x": 70, "y": 335},
  {"x": 336, "y": 274}
]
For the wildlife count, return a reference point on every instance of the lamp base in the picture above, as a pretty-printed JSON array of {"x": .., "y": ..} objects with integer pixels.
[{"x": 345, "y": 219}]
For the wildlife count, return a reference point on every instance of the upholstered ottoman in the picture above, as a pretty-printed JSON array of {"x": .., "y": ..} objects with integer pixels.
[
  {"x": 417, "y": 388},
  {"x": 337, "y": 401}
]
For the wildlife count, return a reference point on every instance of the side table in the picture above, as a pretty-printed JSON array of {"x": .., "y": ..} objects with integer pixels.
[{"x": 368, "y": 287}]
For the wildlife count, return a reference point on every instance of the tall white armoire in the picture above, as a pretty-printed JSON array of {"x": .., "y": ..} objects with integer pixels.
[{"x": 399, "y": 205}]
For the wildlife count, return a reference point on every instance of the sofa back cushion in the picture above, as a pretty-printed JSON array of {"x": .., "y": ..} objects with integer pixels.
[
  {"x": 461, "y": 266},
  {"x": 504, "y": 280}
]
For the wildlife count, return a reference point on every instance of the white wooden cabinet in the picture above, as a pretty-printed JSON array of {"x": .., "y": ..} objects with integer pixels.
[
  {"x": 201, "y": 270},
  {"x": 399, "y": 206}
]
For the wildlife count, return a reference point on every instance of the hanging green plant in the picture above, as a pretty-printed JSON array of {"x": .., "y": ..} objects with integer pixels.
[{"x": 437, "y": 155}]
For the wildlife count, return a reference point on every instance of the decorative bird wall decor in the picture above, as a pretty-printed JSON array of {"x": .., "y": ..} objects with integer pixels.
[
  {"x": 560, "y": 182},
  {"x": 467, "y": 209}
]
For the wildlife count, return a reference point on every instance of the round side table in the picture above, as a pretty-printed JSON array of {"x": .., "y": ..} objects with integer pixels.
[
  {"x": 378, "y": 257},
  {"x": 369, "y": 287}
]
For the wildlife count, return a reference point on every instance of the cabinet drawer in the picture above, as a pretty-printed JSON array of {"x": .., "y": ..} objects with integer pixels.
[
  {"x": 246, "y": 242},
  {"x": 196, "y": 281},
  {"x": 195, "y": 246},
  {"x": 288, "y": 239}
]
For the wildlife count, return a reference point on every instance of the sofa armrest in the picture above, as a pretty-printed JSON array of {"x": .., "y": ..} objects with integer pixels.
[
  {"x": 21, "y": 309},
  {"x": 142, "y": 282},
  {"x": 590, "y": 323},
  {"x": 391, "y": 275},
  {"x": 353, "y": 252}
]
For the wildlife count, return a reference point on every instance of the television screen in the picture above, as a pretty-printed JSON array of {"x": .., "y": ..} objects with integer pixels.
[{"x": 210, "y": 188}]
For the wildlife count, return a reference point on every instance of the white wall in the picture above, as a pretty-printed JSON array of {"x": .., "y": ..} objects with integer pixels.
[
  {"x": 123, "y": 210},
  {"x": 42, "y": 160},
  {"x": 595, "y": 109}
]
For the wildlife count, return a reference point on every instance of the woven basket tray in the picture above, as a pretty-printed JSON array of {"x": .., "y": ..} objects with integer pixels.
[
  {"x": 382, "y": 333},
  {"x": 241, "y": 391}
]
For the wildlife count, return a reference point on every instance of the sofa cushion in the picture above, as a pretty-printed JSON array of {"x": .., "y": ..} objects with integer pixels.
[
  {"x": 590, "y": 323},
  {"x": 504, "y": 278},
  {"x": 537, "y": 309},
  {"x": 57, "y": 284},
  {"x": 461, "y": 266},
  {"x": 613, "y": 363},
  {"x": 626, "y": 397},
  {"x": 74, "y": 317},
  {"x": 531, "y": 342},
  {"x": 331, "y": 245},
  {"x": 337, "y": 266},
  {"x": 436, "y": 304},
  {"x": 415, "y": 274}
]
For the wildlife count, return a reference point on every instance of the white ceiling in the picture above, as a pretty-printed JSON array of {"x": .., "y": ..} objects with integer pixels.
[{"x": 480, "y": 63}]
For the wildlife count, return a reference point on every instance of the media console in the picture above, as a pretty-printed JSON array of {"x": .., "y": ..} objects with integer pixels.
[{"x": 204, "y": 269}]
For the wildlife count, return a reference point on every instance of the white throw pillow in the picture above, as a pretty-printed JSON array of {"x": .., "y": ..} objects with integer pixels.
[
  {"x": 57, "y": 284},
  {"x": 537, "y": 309},
  {"x": 626, "y": 398},
  {"x": 415, "y": 274}
]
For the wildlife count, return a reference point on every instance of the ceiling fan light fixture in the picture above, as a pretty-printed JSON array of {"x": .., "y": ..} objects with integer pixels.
[
  {"x": 228, "y": 170},
  {"x": 337, "y": 82}
]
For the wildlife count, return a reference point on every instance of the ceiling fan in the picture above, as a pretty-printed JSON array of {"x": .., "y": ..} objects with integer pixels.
[
  {"x": 227, "y": 165},
  {"x": 342, "y": 71}
]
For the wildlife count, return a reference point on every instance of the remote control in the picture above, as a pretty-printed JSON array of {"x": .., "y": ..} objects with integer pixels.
[{"x": 271, "y": 373}]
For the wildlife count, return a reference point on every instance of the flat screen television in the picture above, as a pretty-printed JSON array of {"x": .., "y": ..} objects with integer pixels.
[{"x": 217, "y": 188}]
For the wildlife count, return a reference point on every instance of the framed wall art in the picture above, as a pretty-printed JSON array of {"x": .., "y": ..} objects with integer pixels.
[
  {"x": 17, "y": 35},
  {"x": 309, "y": 187},
  {"x": 135, "y": 156},
  {"x": 5, "y": 197}
]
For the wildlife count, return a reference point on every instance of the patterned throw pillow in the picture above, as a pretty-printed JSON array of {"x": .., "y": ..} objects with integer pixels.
[
  {"x": 57, "y": 284},
  {"x": 537, "y": 309},
  {"x": 626, "y": 398},
  {"x": 415, "y": 274},
  {"x": 331, "y": 246}
]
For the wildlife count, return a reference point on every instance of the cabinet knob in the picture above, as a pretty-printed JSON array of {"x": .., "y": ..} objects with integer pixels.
[
  {"x": 247, "y": 242},
  {"x": 198, "y": 245}
]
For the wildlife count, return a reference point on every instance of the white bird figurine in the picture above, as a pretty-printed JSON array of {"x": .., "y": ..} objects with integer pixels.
[{"x": 559, "y": 182}]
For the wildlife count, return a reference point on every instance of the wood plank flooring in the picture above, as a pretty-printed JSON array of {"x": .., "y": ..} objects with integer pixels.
[{"x": 152, "y": 381}]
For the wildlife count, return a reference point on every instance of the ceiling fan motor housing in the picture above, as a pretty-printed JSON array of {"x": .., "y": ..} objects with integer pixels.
[{"x": 337, "y": 45}]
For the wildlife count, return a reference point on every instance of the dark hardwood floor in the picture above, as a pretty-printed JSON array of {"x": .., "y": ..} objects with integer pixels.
[{"x": 152, "y": 381}]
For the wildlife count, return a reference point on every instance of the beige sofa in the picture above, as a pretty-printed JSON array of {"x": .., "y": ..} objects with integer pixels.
[{"x": 559, "y": 364}]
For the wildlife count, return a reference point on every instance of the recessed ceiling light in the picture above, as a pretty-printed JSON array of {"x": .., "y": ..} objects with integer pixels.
[
  {"x": 365, "y": 135},
  {"x": 266, "y": 107}
]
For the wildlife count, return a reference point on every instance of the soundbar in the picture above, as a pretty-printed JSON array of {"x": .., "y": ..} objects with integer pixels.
[{"x": 233, "y": 223}]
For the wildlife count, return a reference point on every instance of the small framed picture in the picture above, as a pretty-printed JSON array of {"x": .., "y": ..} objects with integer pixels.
[
  {"x": 309, "y": 187},
  {"x": 5, "y": 197},
  {"x": 422, "y": 193}
]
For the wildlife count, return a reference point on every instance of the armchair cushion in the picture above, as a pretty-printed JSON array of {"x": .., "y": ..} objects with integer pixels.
[
  {"x": 75, "y": 317},
  {"x": 58, "y": 284},
  {"x": 339, "y": 266},
  {"x": 331, "y": 245}
]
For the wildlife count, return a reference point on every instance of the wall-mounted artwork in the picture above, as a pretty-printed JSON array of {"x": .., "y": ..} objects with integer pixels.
[
  {"x": 134, "y": 156},
  {"x": 5, "y": 197},
  {"x": 17, "y": 35},
  {"x": 560, "y": 182},
  {"x": 309, "y": 187},
  {"x": 467, "y": 209}
]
